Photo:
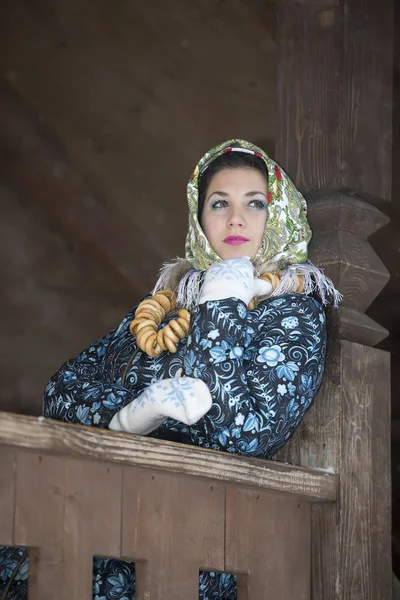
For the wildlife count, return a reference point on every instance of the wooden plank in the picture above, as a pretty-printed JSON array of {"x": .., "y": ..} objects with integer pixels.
[
  {"x": 365, "y": 500},
  {"x": 320, "y": 4},
  {"x": 325, "y": 133},
  {"x": 177, "y": 526},
  {"x": 39, "y": 520},
  {"x": 92, "y": 521},
  {"x": 367, "y": 89},
  {"x": 334, "y": 71},
  {"x": 382, "y": 527},
  {"x": 74, "y": 440},
  {"x": 70, "y": 510},
  {"x": 7, "y": 495},
  {"x": 325, "y": 560},
  {"x": 308, "y": 76},
  {"x": 268, "y": 536},
  {"x": 351, "y": 543}
]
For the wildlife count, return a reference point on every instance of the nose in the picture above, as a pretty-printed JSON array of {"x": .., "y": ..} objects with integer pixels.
[{"x": 236, "y": 218}]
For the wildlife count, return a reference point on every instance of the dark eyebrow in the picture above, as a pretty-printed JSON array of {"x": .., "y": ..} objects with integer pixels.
[
  {"x": 255, "y": 193},
  {"x": 225, "y": 194}
]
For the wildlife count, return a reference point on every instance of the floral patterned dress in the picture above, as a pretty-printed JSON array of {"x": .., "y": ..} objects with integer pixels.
[{"x": 263, "y": 368}]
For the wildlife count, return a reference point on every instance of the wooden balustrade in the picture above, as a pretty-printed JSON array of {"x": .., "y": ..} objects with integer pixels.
[{"x": 72, "y": 492}]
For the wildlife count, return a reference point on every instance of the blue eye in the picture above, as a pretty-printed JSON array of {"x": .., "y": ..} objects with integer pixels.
[
  {"x": 258, "y": 204},
  {"x": 218, "y": 204}
]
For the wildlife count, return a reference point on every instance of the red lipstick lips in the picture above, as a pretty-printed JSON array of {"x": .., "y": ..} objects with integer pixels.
[{"x": 235, "y": 240}]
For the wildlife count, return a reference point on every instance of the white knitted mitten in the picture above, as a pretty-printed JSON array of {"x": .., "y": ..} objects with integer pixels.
[
  {"x": 233, "y": 278},
  {"x": 184, "y": 399}
]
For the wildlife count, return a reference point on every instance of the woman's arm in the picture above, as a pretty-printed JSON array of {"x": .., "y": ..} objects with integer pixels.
[
  {"x": 263, "y": 369},
  {"x": 80, "y": 393}
]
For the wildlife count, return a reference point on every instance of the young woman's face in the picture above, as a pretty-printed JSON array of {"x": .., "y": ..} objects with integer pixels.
[{"x": 235, "y": 212}]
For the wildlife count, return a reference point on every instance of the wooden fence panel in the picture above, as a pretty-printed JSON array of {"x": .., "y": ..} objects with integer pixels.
[
  {"x": 39, "y": 520},
  {"x": 176, "y": 524},
  {"x": 45, "y": 435},
  {"x": 173, "y": 510},
  {"x": 268, "y": 537},
  {"x": 7, "y": 491},
  {"x": 92, "y": 521},
  {"x": 70, "y": 510},
  {"x": 325, "y": 552},
  {"x": 365, "y": 507}
]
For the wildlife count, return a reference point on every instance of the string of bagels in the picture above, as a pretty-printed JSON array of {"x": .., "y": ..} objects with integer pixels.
[{"x": 151, "y": 313}]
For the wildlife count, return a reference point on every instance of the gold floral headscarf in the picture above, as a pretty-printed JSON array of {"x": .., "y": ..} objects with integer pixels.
[
  {"x": 285, "y": 242},
  {"x": 287, "y": 232}
]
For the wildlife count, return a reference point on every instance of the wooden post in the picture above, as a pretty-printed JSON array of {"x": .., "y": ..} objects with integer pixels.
[
  {"x": 335, "y": 83},
  {"x": 334, "y": 74}
]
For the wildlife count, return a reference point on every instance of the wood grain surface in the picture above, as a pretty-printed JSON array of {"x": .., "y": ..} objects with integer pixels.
[{"x": 74, "y": 440}]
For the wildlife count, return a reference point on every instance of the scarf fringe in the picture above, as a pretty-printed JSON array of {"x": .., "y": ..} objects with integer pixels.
[
  {"x": 180, "y": 277},
  {"x": 314, "y": 279},
  {"x": 189, "y": 288}
]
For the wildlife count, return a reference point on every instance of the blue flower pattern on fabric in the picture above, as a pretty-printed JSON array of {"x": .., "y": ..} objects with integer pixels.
[
  {"x": 113, "y": 579},
  {"x": 9, "y": 559},
  {"x": 263, "y": 368}
]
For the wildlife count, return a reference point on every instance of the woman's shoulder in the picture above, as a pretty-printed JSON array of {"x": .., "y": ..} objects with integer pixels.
[
  {"x": 289, "y": 311},
  {"x": 291, "y": 317},
  {"x": 291, "y": 301}
]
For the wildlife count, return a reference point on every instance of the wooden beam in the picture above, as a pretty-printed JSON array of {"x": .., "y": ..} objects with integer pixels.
[
  {"x": 52, "y": 437},
  {"x": 335, "y": 79},
  {"x": 365, "y": 508},
  {"x": 308, "y": 77},
  {"x": 32, "y": 161},
  {"x": 319, "y": 4},
  {"x": 334, "y": 130}
]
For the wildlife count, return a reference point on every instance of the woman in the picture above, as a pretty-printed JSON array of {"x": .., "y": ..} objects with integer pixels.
[{"x": 237, "y": 374}]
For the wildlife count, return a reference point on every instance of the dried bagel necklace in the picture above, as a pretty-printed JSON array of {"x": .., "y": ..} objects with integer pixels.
[
  {"x": 148, "y": 317},
  {"x": 151, "y": 312},
  {"x": 145, "y": 327}
]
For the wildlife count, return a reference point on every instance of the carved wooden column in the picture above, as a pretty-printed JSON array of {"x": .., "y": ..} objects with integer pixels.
[
  {"x": 334, "y": 133},
  {"x": 342, "y": 221},
  {"x": 347, "y": 430}
]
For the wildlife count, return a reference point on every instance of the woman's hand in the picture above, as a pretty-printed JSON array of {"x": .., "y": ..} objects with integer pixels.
[{"x": 233, "y": 278}]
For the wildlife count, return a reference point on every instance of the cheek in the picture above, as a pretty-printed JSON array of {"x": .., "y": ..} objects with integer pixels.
[{"x": 211, "y": 226}]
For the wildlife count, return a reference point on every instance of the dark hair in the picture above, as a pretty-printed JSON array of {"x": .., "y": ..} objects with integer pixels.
[{"x": 228, "y": 160}]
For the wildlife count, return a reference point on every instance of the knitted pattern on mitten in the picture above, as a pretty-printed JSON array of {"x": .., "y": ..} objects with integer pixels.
[{"x": 183, "y": 399}]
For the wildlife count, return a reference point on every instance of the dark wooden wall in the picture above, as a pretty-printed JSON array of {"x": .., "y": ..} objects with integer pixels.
[
  {"x": 53, "y": 294},
  {"x": 105, "y": 109}
]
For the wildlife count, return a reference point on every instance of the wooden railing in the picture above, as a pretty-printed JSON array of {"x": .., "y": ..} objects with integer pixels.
[{"x": 72, "y": 492}]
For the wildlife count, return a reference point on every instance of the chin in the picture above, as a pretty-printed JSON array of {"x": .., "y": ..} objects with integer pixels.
[{"x": 236, "y": 252}]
